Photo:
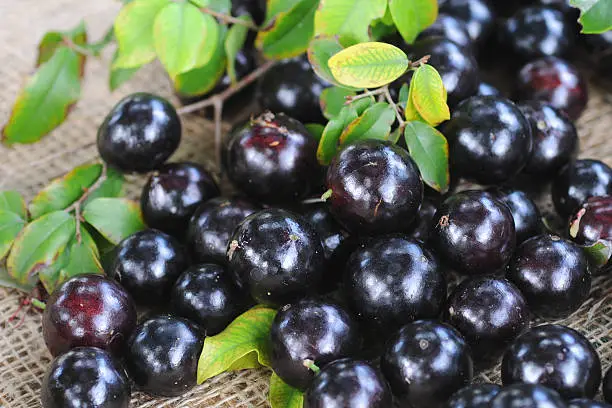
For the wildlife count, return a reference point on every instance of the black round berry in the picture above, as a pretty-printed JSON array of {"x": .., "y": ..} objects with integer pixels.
[
  {"x": 587, "y": 403},
  {"x": 486, "y": 89},
  {"x": 421, "y": 226},
  {"x": 474, "y": 396},
  {"x": 527, "y": 396},
  {"x": 527, "y": 217},
  {"x": 449, "y": 27},
  {"x": 607, "y": 386},
  {"x": 476, "y": 14}
]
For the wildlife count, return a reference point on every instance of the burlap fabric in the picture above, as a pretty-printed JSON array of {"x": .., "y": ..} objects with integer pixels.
[{"x": 23, "y": 356}]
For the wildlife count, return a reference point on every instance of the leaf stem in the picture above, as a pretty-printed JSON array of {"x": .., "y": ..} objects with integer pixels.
[
  {"x": 227, "y": 19},
  {"x": 398, "y": 112},
  {"x": 421, "y": 61},
  {"x": 366, "y": 94},
  {"x": 38, "y": 304},
  {"x": 75, "y": 47},
  {"x": 309, "y": 364}
]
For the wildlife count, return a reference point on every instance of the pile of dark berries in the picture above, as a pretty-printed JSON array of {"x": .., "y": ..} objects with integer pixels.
[{"x": 393, "y": 293}]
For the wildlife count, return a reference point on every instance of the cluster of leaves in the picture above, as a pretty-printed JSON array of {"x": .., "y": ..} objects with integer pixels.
[{"x": 66, "y": 228}]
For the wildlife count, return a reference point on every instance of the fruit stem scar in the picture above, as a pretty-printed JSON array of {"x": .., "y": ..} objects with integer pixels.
[
  {"x": 309, "y": 364},
  {"x": 444, "y": 221},
  {"x": 233, "y": 246},
  {"x": 326, "y": 195}
]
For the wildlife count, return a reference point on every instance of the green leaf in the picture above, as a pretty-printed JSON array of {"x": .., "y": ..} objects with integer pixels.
[
  {"x": 413, "y": 16},
  {"x": 429, "y": 95},
  {"x": 47, "y": 98},
  {"x": 200, "y": 3},
  {"x": 320, "y": 50},
  {"x": 348, "y": 19},
  {"x": 134, "y": 32},
  {"x": 220, "y": 6},
  {"x": 119, "y": 75},
  {"x": 8, "y": 281},
  {"x": 54, "y": 39},
  {"x": 11, "y": 225},
  {"x": 234, "y": 42},
  {"x": 315, "y": 129},
  {"x": 404, "y": 93},
  {"x": 368, "y": 65},
  {"x": 375, "y": 123},
  {"x": 332, "y": 100},
  {"x": 289, "y": 34},
  {"x": 39, "y": 245},
  {"x": 114, "y": 218},
  {"x": 283, "y": 395},
  {"x": 97, "y": 47},
  {"x": 429, "y": 149},
  {"x": 410, "y": 111},
  {"x": 111, "y": 187},
  {"x": 598, "y": 253},
  {"x": 595, "y": 15},
  {"x": 275, "y": 7},
  {"x": 13, "y": 202},
  {"x": 184, "y": 37},
  {"x": 248, "y": 334}
]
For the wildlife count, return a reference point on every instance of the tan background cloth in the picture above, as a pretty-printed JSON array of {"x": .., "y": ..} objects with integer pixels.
[{"x": 23, "y": 356}]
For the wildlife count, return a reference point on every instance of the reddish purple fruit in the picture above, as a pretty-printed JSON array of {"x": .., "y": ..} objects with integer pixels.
[
  {"x": 592, "y": 221},
  {"x": 88, "y": 310}
]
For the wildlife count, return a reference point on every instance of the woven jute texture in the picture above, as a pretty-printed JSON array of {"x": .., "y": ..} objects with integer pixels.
[{"x": 23, "y": 356}]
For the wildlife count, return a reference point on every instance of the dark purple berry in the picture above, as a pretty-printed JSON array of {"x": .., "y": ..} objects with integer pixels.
[
  {"x": 88, "y": 310},
  {"x": 592, "y": 221},
  {"x": 486, "y": 89},
  {"x": 607, "y": 386},
  {"x": 139, "y": 133},
  {"x": 476, "y": 14},
  {"x": 376, "y": 187},
  {"x": 527, "y": 218},
  {"x": 314, "y": 331},
  {"x": 172, "y": 195},
  {"x": 421, "y": 226},
  {"x": 554, "y": 356},
  {"x": 527, "y": 396},
  {"x": 448, "y": 27},
  {"x": 425, "y": 363},
  {"x": 587, "y": 403},
  {"x": 256, "y": 8},
  {"x": 331, "y": 233},
  {"x": 474, "y": 396}
]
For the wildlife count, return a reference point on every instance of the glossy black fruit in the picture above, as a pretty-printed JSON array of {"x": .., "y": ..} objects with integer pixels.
[
  {"x": 172, "y": 195},
  {"x": 425, "y": 363},
  {"x": 538, "y": 31},
  {"x": 206, "y": 295},
  {"x": 348, "y": 383},
  {"x": 476, "y": 14},
  {"x": 212, "y": 225},
  {"x": 474, "y": 396},
  {"x": 139, "y": 133},
  {"x": 331, "y": 233},
  {"x": 85, "y": 377},
  {"x": 579, "y": 181},
  {"x": 276, "y": 256},
  {"x": 490, "y": 313},
  {"x": 527, "y": 396},
  {"x": 456, "y": 65},
  {"x": 555, "y": 139},
  {"x": 474, "y": 233},
  {"x": 587, "y": 403},
  {"x": 147, "y": 264},
  {"x": 376, "y": 187},
  {"x": 394, "y": 280},
  {"x": 607, "y": 386},
  {"x": 592, "y": 221},
  {"x": 421, "y": 226},
  {"x": 486, "y": 89},
  {"x": 553, "y": 275},
  {"x": 448, "y": 27},
  {"x": 272, "y": 158},
  {"x": 88, "y": 310},
  {"x": 314, "y": 330},
  {"x": 162, "y": 356},
  {"x": 490, "y": 139},
  {"x": 556, "y": 82},
  {"x": 292, "y": 88},
  {"x": 527, "y": 217},
  {"x": 554, "y": 356}
]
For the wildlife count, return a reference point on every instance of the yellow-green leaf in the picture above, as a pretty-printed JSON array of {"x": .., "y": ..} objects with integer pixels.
[
  {"x": 234, "y": 347},
  {"x": 429, "y": 149},
  {"x": 46, "y": 99},
  {"x": 413, "y": 16},
  {"x": 283, "y": 395},
  {"x": 315, "y": 129},
  {"x": 134, "y": 32},
  {"x": 114, "y": 218},
  {"x": 374, "y": 123},
  {"x": 13, "y": 202},
  {"x": 234, "y": 41},
  {"x": 332, "y": 100},
  {"x": 320, "y": 50},
  {"x": 410, "y": 111},
  {"x": 11, "y": 225},
  {"x": 54, "y": 39},
  {"x": 348, "y": 19},
  {"x": 368, "y": 65},
  {"x": 429, "y": 95},
  {"x": 595, "y": 15},
  {"x": 119, "y": 75}
]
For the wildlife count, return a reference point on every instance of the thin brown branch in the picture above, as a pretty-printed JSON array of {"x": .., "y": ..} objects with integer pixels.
[
  {"x": 366, "y": 94},
  {"x": 227, "y": 19},
  {"x": 398, "y": 113},
  {"x": 75, "y": 47},
  {"x": 421, "y": 61},
  {"x": 218, "y": 115}
]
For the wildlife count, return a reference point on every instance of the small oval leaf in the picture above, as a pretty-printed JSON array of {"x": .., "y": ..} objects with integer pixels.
[
  {"x": 282, "y": 395},
  {"x": 413, "y": 16},
  {"x": 429, "y": 149},
  {"x": 595, "y": 15},
  {"x": 13, "y": 201},
  {"x": 429, "y": 95},
  {"x": 320, "y": 50},
  {"x": 333, "y": 99},
  {"x": 11, "y": 225},
  {"x": 348, "y": 19},
  {"x": 234, "y": 42},
  {"x": 374, "y": 123},
  {"x": 599, "y": 253},
  {"x": 114, "y": 218},
  {"x": 315, "y": 129},
  {"x": 368, "y": 65}
]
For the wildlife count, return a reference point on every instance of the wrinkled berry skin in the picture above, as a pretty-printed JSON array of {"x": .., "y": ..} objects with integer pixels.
[
  {"x": 272, "y": 159},
  {"x": 527, "y": 396},
  {"x": 553, "y": 275},
  {"x": 393, "y": 280},
  {"x": 555, "y": 139},
  {"x": 421, "y": 226},
  {"x": 607, "y": 386},
  {"x": 587, "y": 403},
  {"x": 206, "y": 295},
  {"x": 474, "y": 396},
  {"x": 425, "y": 363},
  {"x": 376, "y": 187},
  {"x": 276, "y": 256},
  {"x": 556, "y": 82},
  {"x": 538, "y": 31},
  {"x": 162, "y": 356},
  {"x": 314, "y": 330},
  {"x": 212, "y": 225},
  {"x": 476, "y": 14},
  {"x": 456, "y": 65},
  {"x": 579, "y": 181},
  {"x": 147, "y": 264},
  {"x": 490, "y": 139},
  {"x": 458, "y": 238},
  {"x": 85, "y": 377},
  {"x": 88, "y": 310},
  {"x": 502, "y": 315},
  {"x": 448, "y": 27},
  {"x": 348, "y": 383},
  {"x": 292, "y": 88},
  {"x": 172, "y": 195},
  {"x": 592, "y": 222},
  {"x": 527, "y": 217},
  {"x": 486, "y": 89},
  {"x": 139, "y": 133},
  {"x": 554, "y": 356}
]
